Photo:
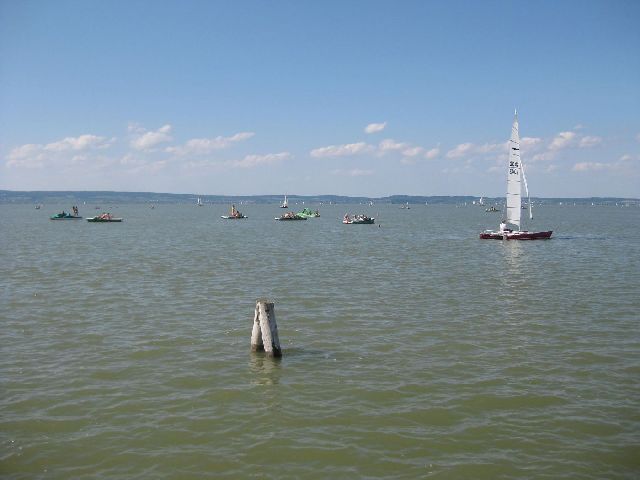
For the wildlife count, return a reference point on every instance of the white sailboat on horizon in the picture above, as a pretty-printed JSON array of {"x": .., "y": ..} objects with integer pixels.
[{"x": 285, "y": 203}]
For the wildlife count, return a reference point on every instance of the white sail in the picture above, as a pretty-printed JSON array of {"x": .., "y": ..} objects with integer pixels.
[
  {"x": 526, "y": 187},
  {"x": 514, "y": 177}
]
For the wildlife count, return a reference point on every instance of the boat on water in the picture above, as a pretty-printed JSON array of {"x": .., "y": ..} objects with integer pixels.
[
  {"x": 65, "y": 216},
  {"x": 234, "y": 214},
  {"x": 492, "y": 208},
  {"x": 285, "y": 203},
  {"x": 406, "y": 206},
  {"x": 104, "y": 218},
  {"x": 290, "y": 216},
  {"x": 358, "y": 220},
  {"x": 308, "y": 213},
  {"x": 510, "y": 227},
  {"x": 199, "y": 202}
]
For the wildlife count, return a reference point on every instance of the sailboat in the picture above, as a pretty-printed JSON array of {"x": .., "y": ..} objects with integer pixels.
[
  {"x": 285, "y": 204},
  {"x": 199, "y": 202},
  {"x": 515, "y": 178}
]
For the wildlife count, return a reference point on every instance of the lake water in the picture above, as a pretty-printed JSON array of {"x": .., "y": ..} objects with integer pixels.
[{"x": 411, "y": 350}]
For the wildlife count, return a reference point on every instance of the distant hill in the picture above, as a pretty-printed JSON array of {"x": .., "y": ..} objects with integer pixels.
[{"x": 102, "y": 197}]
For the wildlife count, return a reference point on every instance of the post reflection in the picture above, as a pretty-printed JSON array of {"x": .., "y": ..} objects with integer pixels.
[{"x": 265, "y": 370}]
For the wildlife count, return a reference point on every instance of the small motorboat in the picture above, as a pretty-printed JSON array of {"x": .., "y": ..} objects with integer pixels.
[
  {"x": 290, "y": 216},
  {"x": 65, "y": 216},
  {"x": 234, "y": 215},
  {"x": 358, "y": 220},
  {"x": 104, "y": 218}
]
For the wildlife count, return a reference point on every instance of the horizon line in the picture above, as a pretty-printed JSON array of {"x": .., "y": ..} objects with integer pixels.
[{"x": 299, "y": 195}]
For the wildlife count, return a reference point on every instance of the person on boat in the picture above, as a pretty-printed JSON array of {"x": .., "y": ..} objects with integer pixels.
[
  {"x": 234, "y": 212},
  {"x": 503, "y": 227}
]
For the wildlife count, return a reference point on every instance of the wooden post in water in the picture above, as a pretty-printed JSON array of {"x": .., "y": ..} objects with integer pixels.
[{"x": 264, "y": 336}]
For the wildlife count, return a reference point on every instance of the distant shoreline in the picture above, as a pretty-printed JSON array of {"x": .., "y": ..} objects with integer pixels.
[{"x": 16, "y": 197}]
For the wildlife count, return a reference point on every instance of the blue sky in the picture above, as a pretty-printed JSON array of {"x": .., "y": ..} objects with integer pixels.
[{"x": 347, "y": 97}]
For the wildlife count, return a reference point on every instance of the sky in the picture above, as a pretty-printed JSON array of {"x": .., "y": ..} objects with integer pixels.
[{"x": 368, "y": 98}]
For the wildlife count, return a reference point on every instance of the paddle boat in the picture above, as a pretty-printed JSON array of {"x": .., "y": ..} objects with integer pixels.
[
  {"x": 290, "y": 216},
  {"x": 65, "y": 216},
  {"x": 308, "y": 213},
  {"x": 234, "y": 215},
  {"x": 358, "y": 220},
  {"x": 104, "y": 218}
]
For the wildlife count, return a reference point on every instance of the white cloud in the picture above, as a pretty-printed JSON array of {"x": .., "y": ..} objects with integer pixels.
[
  {"x": 356, "y": 172},
  {"x": 203, "y": 146},
  {"x": 562, "y": 140},
  {"x": 544, "y": 156},
  {"x": 136, "y": 163},
  {"x": 251, "y": 161},
  {"x": 375, "y": 127},
  {"x": 390, "y": 145},
  {"x": 412, "y": 151},
  {"x": 592, "y": 166},
  {"x": 26, "y": 156},
  {"x": 147, "y": 140},
  {"x": 530, "y": 143},
  {"x": 492, "y": 147},
  {"x": 341, "y": 150},
  {"x": 431, "y": 154},
  {"x": 134, "y": 127},
  {"x": 460, "y": 150},
  {"x": 588, "y": 142},
  {"x": 83, "y": 142},
  {"x": 34, "y": 155},
  {"x": 24, "y": 151}
]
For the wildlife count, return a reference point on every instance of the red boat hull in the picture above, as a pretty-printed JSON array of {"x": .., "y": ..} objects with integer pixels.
[{"x": 524, "y": 235}]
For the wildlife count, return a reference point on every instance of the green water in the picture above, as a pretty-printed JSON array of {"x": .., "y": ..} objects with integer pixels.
[{"x": 411, "y": 350}]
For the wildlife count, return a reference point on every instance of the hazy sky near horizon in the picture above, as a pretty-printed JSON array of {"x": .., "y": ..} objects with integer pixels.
[{"x": 332, "y": 97}]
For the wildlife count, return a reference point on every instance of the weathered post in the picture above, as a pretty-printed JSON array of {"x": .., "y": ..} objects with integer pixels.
[{"x": 264, "y": 336}]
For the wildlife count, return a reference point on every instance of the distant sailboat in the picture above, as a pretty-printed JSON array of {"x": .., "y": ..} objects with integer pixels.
[
  {"x": 515, "y": 173},
  {"x": 285, "y": 203},
  {"x": 199, "y": 202}
]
